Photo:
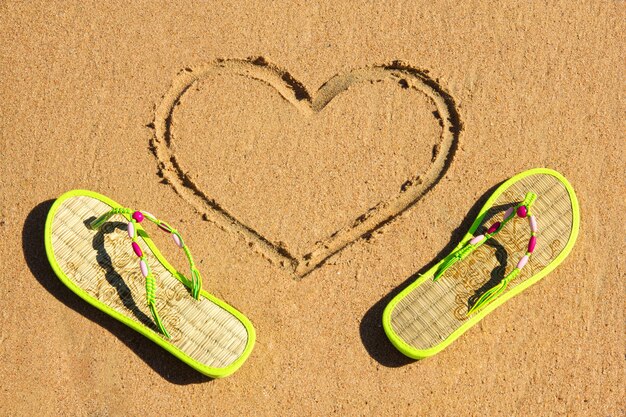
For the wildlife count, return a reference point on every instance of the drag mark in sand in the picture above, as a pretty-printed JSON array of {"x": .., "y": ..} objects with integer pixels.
[{"x": 409, "y": 192}]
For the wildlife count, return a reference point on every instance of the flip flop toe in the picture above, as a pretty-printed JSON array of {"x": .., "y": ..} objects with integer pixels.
[
  {"x": 526, "y": 228},
  {"x": 100, "y": 250}
]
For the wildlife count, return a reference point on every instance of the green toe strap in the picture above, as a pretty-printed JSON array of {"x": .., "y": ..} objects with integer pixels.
[
  {"x": 523, "y": 210},
  {"x": 137, "y": 216},
  {"x": 493, "y": 292}
]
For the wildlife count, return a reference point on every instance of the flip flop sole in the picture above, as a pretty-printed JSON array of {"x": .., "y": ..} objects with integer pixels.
[
  {"x": 100, "y": 267},
  {"x": 427, "y": 316}
]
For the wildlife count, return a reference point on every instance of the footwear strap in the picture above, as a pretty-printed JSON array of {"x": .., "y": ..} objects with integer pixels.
[
  {"x": 522, "y": 209},
  {"x": 137, "y": 216}
]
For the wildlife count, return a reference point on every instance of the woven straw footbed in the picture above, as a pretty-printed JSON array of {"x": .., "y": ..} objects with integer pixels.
[
  {"x": 104, "y": 265},
  {"x": 434, "y": 310}
]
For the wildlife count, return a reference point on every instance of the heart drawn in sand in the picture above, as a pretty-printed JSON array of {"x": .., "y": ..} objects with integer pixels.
[{"x": 278, "y": 141}]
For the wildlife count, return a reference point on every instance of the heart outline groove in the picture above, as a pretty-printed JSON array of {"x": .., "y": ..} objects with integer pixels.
[{"x": 258, "y": 69}]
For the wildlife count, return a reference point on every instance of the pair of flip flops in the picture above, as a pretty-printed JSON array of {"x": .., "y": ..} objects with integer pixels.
[{"x": 101, "y": 251}]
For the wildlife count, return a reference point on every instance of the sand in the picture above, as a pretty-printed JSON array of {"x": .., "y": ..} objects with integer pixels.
[{"x": 316, "y": 158}]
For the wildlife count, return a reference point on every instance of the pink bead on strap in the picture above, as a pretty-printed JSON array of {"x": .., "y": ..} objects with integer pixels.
[
  {"x": 144, "y": 268},
  {"x": 137, "y": 249},
  {"x": 148, "y": 215},
  {"x": 177, "y": 240},
  {"x": 493, "y": 228},
  {"x": 477, "y": 239},
  {"x": 522, "y": 262},
  {"x": 138, "y": 216}
]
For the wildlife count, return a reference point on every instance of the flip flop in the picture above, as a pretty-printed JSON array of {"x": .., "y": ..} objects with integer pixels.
[
  {"x": 101, "y": 252},
  {"x": 526, "y": 228}
]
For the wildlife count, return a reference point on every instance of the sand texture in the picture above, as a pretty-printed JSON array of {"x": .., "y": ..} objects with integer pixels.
[{"x": 316, "y": 158}]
